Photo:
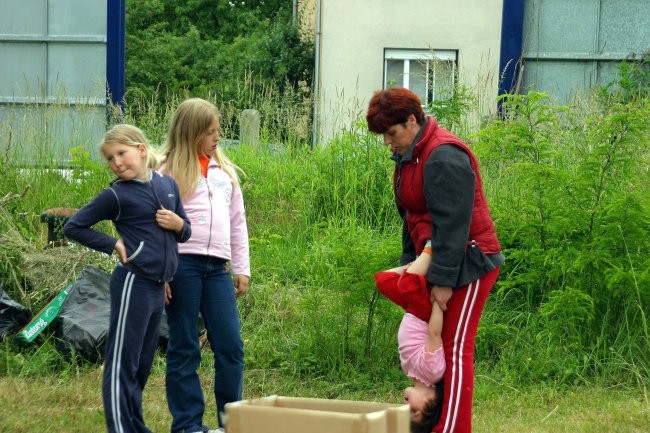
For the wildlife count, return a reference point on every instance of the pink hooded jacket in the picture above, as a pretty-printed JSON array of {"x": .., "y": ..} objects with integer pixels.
[{"x": 218, "y": 218}]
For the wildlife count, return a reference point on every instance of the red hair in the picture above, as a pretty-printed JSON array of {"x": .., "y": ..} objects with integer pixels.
[{"x": 391, "y": 106}]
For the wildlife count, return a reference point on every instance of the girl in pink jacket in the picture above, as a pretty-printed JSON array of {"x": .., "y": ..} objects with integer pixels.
[{"x": 214, "y": 267}]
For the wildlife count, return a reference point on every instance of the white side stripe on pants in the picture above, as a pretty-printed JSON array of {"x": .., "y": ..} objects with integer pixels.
[
  {"x": 456, "y": 361},
  {"x": 118, "y": 344}
]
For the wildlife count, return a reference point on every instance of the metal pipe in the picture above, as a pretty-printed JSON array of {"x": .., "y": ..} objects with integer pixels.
[{"x": 315, "y": 123}]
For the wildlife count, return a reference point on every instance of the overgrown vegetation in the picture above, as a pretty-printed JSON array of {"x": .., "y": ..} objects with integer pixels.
[
  {"x": 573, "y": 214},
  {"x": 214, "y": 48},
  {"x": 568, "y": 190}
]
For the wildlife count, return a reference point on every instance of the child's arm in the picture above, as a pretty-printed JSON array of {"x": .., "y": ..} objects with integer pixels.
[
  {"x": 79, "y": 226},
  {"x": 399, "y": 269},
  {"x": 175, "y": 219},
  {"x": 169, "y": 220},
  {"x": 434, "y": 342},
  {"x": 421, "y": 266},
  {"x": 120, "y": 249}
]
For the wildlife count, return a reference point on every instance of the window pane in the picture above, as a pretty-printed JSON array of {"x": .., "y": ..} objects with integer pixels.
[
  {"x": 444, "y": 74},
  {"x": 430, "y": 74},
  {"x": 394, "y": 73},
  {"x": 418, "y": 79}
]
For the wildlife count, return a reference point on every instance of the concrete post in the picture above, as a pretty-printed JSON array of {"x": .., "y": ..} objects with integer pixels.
[{"x": 249, "y": 127}]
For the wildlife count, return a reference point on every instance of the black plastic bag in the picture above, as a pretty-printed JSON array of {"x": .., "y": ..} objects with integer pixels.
[
  {"x": 13, "y": 316},
  {"x": 163, "y": 338},
  {"x": 82, "y": 324}
]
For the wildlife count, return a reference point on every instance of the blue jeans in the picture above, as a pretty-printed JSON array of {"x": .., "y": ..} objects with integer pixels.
[{"x": 202, "y": 284}]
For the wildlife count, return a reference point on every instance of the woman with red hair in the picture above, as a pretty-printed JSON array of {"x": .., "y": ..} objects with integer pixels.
[{"x": 439, "y": 194}]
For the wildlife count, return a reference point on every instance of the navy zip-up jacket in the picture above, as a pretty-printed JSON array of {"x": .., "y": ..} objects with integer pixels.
[{"x": 131, "y": 205}]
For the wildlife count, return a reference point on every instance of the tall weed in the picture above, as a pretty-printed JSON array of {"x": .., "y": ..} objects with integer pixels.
[{"x": 573, "y": 218}]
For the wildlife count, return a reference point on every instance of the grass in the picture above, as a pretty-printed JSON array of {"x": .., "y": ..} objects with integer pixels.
[
  {"x": 543, "y": 409},
  {"x": 73, "y": 404}
]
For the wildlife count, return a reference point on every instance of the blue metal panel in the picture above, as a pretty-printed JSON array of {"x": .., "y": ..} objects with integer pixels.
[
  {"x": 76, "y": 17},
  {"x": 116, "y": 50},
  {"x": 22, "y": 17},
  {"x": 23, "y": 71},
  {"x": 576, "y": 77},
  {"x": 570, "y": 46},
  {"x": 625, "y": 26},
  {"x": 560, "y": 26},
  {"x": 54, "y": 74},
  {"x": 511, "y": 44}
]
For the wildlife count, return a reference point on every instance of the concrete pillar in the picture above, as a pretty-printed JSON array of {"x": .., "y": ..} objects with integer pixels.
[{"x": 249, "y": 127}]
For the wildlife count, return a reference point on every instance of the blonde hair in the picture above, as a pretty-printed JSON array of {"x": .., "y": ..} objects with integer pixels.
[
  {"x": 187, "y": 130},
  {"x": 131, "y": 136}
]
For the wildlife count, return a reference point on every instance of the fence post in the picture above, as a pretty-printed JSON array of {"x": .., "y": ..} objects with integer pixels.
[{"x": 249, "y": 127}]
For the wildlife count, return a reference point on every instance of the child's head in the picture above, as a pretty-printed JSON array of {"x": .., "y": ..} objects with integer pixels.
[
  {"x": 127, "y": 151},
  {"x": 425, "y": 405},
  {"x": 194, "y": 132},
  {"x": 194, "y": 122}
]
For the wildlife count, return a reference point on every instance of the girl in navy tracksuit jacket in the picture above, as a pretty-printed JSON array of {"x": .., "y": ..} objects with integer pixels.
[{"x": 147, "y": 212}]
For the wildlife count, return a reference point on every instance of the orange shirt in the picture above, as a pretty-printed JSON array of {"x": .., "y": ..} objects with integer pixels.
[{"x": 204, "y": 160}]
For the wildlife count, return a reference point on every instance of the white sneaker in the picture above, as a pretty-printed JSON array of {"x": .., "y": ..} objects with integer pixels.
[{"x": 218, "y": 430}]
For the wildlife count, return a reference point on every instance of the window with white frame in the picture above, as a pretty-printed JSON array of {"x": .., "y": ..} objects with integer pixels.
[{"x": 431, "y": 74}]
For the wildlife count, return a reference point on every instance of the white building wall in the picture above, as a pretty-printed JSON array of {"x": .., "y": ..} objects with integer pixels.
[{"x": 354, "y": 34}]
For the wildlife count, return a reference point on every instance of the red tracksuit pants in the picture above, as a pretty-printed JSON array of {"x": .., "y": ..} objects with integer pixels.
[{"x": 460, "y": 323}]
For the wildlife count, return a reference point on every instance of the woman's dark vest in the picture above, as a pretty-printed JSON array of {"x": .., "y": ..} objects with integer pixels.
[{"x": 411, "y": 195}]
